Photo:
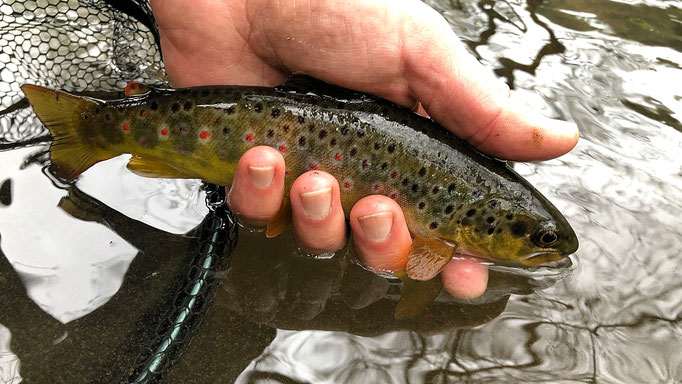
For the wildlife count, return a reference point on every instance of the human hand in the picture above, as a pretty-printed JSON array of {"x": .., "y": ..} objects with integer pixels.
[{"x": 401, "y": 51}]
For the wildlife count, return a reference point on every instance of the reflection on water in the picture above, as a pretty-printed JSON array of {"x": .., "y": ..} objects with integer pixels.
[{"x": 610, "y": 66}]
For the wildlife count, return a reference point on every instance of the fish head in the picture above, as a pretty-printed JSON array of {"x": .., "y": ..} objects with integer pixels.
[{"x": 527, "y": 232}]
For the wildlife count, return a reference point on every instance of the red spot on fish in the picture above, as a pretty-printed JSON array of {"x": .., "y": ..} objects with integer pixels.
[
  {"x": 223, "y": 154},
  {"x": 164, "y": 131},
  {"x": 185, "y": 129},
  {"x": 143, "y": 113},
  {"x": 282, "y": 148},
  {"x": 346, "y": 185},
  {"x": 394, "y": 196},
  {"x": 126, "y": 127},
  {"x": 144, "y": 142},
  {"x": 205, "y": 134},
  {"x": 365, "y": 164},
  {"x": 376, "y": 187},
  {"x": 338, "y": 157},
  {"x": 287, "y": 172},
  {"x": 313, "y": 166},
  {"x": 249, "y": 137},
  {"x": 394, "y": 174},
  {"x": 180, "y": 149}
]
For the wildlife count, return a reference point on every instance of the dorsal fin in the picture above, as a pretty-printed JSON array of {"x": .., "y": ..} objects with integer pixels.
[
  {"x": 134, "y": 89},
  {"x": 301, "y": 83}
]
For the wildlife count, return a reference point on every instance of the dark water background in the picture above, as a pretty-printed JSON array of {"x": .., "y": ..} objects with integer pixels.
[{"x": 615, "y": 68}]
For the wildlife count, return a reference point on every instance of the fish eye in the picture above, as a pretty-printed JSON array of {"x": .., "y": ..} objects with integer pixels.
[{"x": 546, "y": 236}]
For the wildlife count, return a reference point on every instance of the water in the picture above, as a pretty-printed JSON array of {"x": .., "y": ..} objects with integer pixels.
[{"x": 612, "y": 67}]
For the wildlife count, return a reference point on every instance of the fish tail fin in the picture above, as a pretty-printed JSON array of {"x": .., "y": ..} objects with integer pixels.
[{"x": 62, "y": 113}]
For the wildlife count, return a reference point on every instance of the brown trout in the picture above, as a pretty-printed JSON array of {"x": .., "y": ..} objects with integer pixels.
[{"x": 454, "y": 198}]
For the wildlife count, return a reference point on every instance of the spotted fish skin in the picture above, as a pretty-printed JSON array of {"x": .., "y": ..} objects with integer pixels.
[{"x": 446, "y": 188}]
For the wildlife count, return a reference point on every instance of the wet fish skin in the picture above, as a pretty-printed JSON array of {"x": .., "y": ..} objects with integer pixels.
[{"x": 448, "y": 191}]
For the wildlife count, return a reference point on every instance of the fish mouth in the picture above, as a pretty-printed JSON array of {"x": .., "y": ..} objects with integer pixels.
[{"x": 547, "y": 259}]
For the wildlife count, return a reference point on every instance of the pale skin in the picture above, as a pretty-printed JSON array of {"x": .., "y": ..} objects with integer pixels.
[{"x": 403, "y": 51}]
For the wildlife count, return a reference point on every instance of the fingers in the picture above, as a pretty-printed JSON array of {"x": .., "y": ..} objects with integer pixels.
[
  {"x": 382, "y": 242},
  {"x": 318, "y": 218},
  {"x": 380, "y": 234},
  {"x": 258, "y": 186},
  {"x": 465, "y": 278}
]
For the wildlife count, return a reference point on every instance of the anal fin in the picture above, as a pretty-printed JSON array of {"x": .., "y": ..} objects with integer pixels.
[
  {"x": 427, "y": 257},
  {"x": 148, "y": 167},
  {"x": 280, "y": 220}
]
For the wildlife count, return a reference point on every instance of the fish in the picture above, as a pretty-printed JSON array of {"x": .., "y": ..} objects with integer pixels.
[{"x": 455, "y": 198}]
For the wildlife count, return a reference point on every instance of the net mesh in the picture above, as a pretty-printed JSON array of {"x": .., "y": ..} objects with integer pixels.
[{"x": 72, "y": 45}]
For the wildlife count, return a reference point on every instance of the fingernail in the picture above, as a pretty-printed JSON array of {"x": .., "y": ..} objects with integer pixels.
[
  {"x": 261, "y": 177},
  {"x": 316, "y": 204},
  {"x": 377, "y": 226}
]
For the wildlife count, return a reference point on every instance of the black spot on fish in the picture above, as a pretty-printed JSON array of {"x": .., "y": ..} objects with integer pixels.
[
  {"x": 311, "y": 128},
  {"x": 421, "y": 205},
  {"x": 285, "y": 128},
  {"x": 492, "y": 203},
  {"x": 491, "y": 230},
  {"x": 451, "y": 188},
  {"x": 509, "y": 216},
  {"x": 344, "y": 130},
  {"x": 275, "y": 113},
  {"x": 365, "y": 164},
  {"x": 226, "y": 131},
  {"x": 96, "y": 111},
  {"x": 422, "y": 171},
  {"x": 258, "y": 107},
  {"x": 154, "y": 105},
  {"x": 384, "y": 166},
  {"x": 433, "y": 225},
  {"x": 499, "y": 230},
  {"x": 435, "y": 189},
  {"x": 187, "y": 106},
  {"x": 471, "y": 212},
  {"x": 230, "y": 110},
  {"x": 301, "y": 119},
  {"x": 376, "y": 146},
  {"x": 490, "y": 219},
  {"x": 466, "y": 221},
  {"x": 391, "y": 148},
  {"x": 332, "y": 142},
  {"x": 301, "y": 141},
  {"x": 449, "y": 209},
  {"x": 518, "y": 228},
  {"x": 322, "y": 134},
  {"x": 271, "y": 133},
  {"x": 415, "y": 187},
  {"x": 107, "y": 117},
  {"x": 353, "y": 152}
]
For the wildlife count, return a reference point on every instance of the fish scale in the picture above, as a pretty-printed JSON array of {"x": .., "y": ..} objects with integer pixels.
[{"x": 453, "y": 197}]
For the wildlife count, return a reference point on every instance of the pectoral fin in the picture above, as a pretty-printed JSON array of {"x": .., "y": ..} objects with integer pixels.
[
  {"x": 148, "y": 167},
  {"x": 280, "y": 220},
  {"x": 427, "y": 257},
  {"x": 416, "y": 295}
]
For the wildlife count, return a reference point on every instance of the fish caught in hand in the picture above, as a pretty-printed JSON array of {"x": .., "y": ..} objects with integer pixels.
[{"x": 455, "y": 199}]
